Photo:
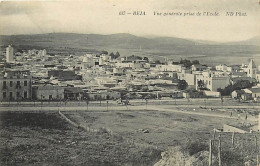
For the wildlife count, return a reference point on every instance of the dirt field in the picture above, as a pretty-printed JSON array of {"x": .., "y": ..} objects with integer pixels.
[
  {"x": 122, "y": 137},
  {"x": 46, "y": 139}
]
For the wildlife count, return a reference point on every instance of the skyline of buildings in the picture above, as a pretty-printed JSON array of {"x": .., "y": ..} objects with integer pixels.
[{"x": 96, "y": 76}]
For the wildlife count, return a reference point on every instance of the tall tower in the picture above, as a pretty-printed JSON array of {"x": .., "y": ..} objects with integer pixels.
[
  {"x": 9, "y": 54},
  {"x": 251, "y": 69},
  {"x": 44, "y": 52}
]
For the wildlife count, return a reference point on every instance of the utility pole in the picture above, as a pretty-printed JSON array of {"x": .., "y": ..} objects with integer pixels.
[
  {"x": 210, "y": 152},
  {"x": 257, "y": 160},
  {"x": 255, "y": 141},
  {"x": 87, "y": 104},
  {"x": 146, "y": 102},
  {"x": 214, "y": 136},
  {"x": 41, "y": 102},
  {"x": 233, "y": 139},
  {"x": 219, "y": 152}
]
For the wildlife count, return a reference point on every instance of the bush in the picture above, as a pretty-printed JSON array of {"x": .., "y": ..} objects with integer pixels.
[
  {"x": 194, "y": 147},
  {"x": 182, "y": 84},
  {"x": 241, "y": 84}
]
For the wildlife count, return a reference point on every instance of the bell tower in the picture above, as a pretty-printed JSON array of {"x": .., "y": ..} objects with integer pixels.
[{"x": 251, "y": 69}]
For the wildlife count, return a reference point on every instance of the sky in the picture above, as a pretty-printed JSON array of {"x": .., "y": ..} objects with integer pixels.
[{"x": 102, "y": 17}]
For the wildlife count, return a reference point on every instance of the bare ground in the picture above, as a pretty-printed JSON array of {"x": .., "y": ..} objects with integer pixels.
[{"x": 128, "y": 137}]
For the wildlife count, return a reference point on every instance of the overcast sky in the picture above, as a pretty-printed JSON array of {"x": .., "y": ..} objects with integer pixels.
[{"x": 102, "y": 17}]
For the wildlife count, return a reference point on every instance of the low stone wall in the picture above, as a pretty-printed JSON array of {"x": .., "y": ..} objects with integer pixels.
[
  {"x": 86, "y": 128},
  {"x": 68, "y": 120}
]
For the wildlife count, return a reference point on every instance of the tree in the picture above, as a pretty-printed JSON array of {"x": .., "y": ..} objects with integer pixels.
[
  {"x": 104, "y": 52},
  {"x": 157, "y": 62},
  {"x": 146, "y": 59},
  {"x": 182, "y": 84},
  {"x": 175, "y": 63},
  {"x": 201, "y": 84},
  {"x": 186, "y": 63},
  {"x": 117, "y": 55},
  {"x": 112, "y": 55},
  {"x": 240, "y": 84},
  {"x": 195, "y": 62}
]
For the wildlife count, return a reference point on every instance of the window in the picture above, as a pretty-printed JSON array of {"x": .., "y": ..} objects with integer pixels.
[
  {"x": 10, "y": 95},
  {"x": 11, "y": 83},
  {"x": 4, "y": 95},
  {"x": 4, "y": 84},
  {"x": 209, "y": 82},
  {"x": 25, "y": 94},
  {"x": 25, "y": 83},
  {"x": 18, "y": 85},
  {"x": 17, "y": 94},
  {"x": 50, "y": 97}
]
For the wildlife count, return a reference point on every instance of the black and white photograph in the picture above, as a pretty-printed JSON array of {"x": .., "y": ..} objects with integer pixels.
[{"x": 130, "y": 83}]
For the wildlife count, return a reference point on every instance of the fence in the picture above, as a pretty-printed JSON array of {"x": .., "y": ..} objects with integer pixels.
[{"x": 234, "y": 146}]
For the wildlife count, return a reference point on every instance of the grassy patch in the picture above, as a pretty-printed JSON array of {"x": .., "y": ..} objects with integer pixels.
[{"x": 32, "y": 120}]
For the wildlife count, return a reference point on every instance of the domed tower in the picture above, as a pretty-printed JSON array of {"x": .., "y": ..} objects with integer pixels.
[{"x": 251, "y": 69}]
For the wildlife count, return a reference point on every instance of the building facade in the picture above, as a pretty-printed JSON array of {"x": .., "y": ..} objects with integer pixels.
[
  {"x": 212, "y": 81},
  {"x": 251, "y": 70},
  {"x": 9, "y": 54},
  {"x": 48, "y": 92},
  {"x": 15, "y": 85}
]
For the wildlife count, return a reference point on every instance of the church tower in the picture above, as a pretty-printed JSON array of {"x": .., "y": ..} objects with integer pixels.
[{"x": 251, "y": 69}]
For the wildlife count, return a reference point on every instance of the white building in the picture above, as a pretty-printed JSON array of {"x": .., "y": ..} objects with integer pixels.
[
  {"x": 224, "y": 68},
  {"x": 188, "y": 76},
  {"x": 42, "y": 53},
  {"x": 251, "y": 69},
  {"x": 88, "y": 61},
  {"x": 212, "y": 81},
  {"x": 49, "y": 92},
  {"x": 258, "y": 76},
  {"x": 170, "y": 67},
  {"x": 254, "y": 91},
  {"x": 9, "y": 54},
  {"x": 105, "y": 57}
]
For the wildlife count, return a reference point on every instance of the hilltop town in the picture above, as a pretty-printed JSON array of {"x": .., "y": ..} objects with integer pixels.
[
  {"x": 34, "y": 75},
  {"x": 119, "y": 106}
]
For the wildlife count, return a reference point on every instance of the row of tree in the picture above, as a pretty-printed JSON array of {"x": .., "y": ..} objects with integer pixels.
[
  {"x": 241, "y": 84},
  {"x": 112, "y": 55},
  {"x": 188, "y": 63}
]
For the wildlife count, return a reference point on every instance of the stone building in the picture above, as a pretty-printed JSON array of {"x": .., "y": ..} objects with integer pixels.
[
  {"x": 48, "y": 92},
  {"x": 15, "y": 85}
]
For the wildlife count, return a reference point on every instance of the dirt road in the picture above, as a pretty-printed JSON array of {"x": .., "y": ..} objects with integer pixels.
[{"x": 166, "y": 108}]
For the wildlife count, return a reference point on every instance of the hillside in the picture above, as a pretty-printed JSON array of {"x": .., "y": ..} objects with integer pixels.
[
  {"x": 252, "y": 41},
  {"x": 121, "y": 40},
  {"x": 127, "y": 44}
]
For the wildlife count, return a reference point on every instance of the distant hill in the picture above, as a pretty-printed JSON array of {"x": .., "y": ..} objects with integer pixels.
[
  {"x": 252, "y": 41},
  {"x": 127, "y": 44},
  {"x": 121, "y": 40}
]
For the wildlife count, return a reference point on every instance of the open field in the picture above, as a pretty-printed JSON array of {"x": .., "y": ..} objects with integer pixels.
[
  {"x": 37, "y": 138},
  {"x": 117, "y": 137}
]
